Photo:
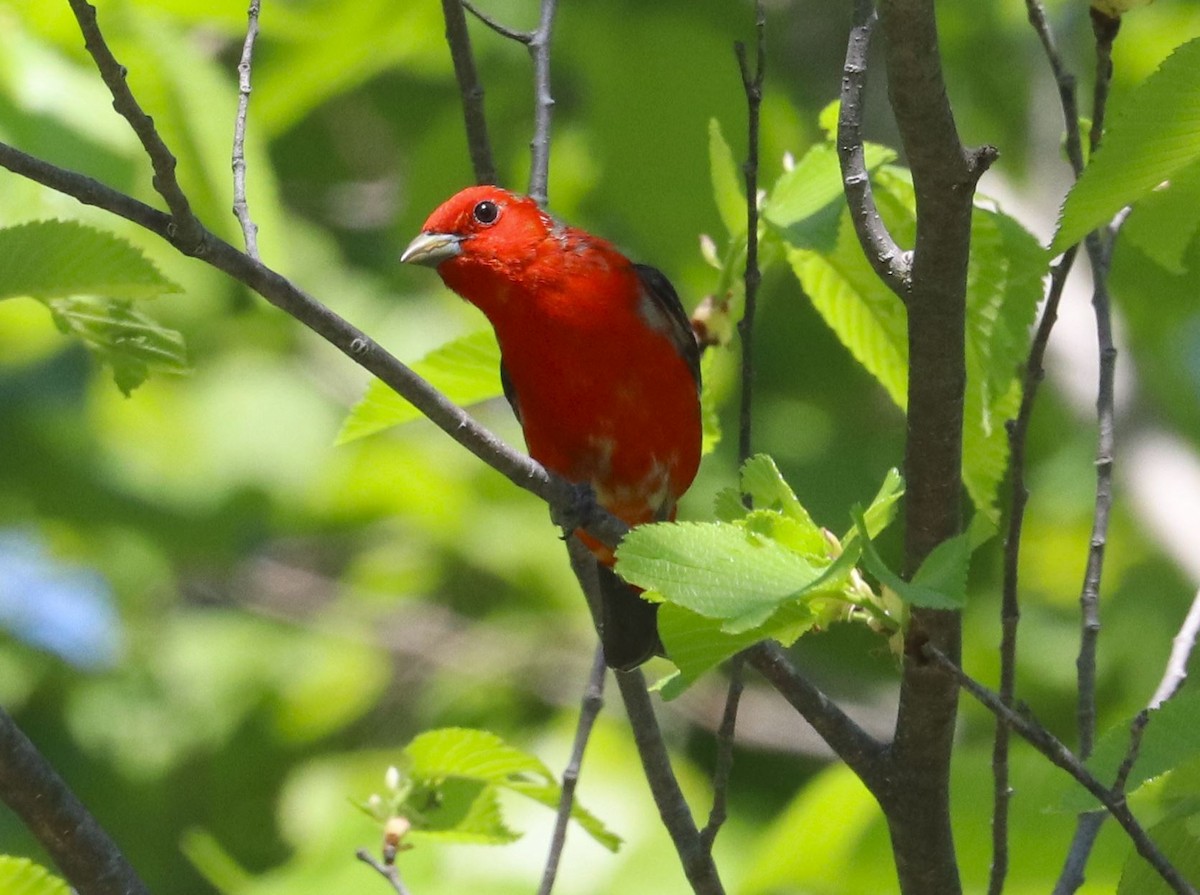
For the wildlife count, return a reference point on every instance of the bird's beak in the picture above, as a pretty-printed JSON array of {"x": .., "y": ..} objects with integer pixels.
[{"x": 431, "y": 249}]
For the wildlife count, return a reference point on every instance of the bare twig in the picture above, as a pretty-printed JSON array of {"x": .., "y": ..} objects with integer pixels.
[
  {"x": 891, "y": 264},
  {"x": 459, "y": 41},
  {"x": 240, "y": 209},
  {"x": 1010, "y": 609},
  {"x": 91, "y": 862},
  {"x": 593, "y": 700},
  {"x": 697, "y": 863},
  {"x": 522, "y": 37},
  {"x": 752, "y": 84},
  {"x": 863, "y": 754},
  {"x": 539, "y": 146},
  {"x": 189, "y": 235},
  {"x": 1058, "y": 754},
  {"x": 389, "y": 871},
  {"x": 724, "y": 762}
]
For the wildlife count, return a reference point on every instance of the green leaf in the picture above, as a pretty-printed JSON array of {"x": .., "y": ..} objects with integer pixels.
[
  {"x": 726, "y": 181},
  {"x": 1178, "y": 837},
  {"x": 1168, "y": 741},
  {"x": 1157, "y": 134},
  {"x": 484, "y": 762},
  {"x": 131, "y": 342},
  {"x": 882, "y": 509},
  {"x": 466, "y": 370},
  {"x": 710, "y": 405},
  {"x": 814, "y": 183},
  {"x": 56, "y": 259},
  {"x": 945, "y": 571},
  {"x": 715, "y": 569},
  {"x": 696, "y": 644},
  {"x": 20, "y": 876},
  {"x": 1165, "y": 220}
]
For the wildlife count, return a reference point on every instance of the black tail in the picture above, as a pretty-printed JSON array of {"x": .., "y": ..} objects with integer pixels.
[{"x": 627, "y": 624}]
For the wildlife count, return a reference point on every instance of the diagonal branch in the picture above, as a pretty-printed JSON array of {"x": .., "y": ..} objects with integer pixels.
[
  {"x": 1058, "y": 754},
  {"x": 891, "y": 263},
  {"x": 91, "y": 862}
]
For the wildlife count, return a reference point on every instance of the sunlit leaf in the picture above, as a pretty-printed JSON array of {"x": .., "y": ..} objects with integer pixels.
[
  {"x": 57, "y": 259},
  {"x": 466, "y": 370},
  {"x": 20, "y": 876},
  {"x": 1165, "y": 220},
  {"x": 726, "y": 181},
  {"x": 1157, "y": 134}
]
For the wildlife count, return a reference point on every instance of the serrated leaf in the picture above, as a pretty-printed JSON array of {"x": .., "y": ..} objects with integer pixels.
[
  {"x": 726, "y": 181},
  {"x": 20, "y": 876},
  {"x": 882, "y": 510},
  {"x": 56, "y": 259},
  {"x": 719, "y": 570},
  {"x": 130, "y": 342},
  {"x": 472, "y": 754},
  {"x": 484, "y": 760},
  {"x": 466, "y": 370},
  {"x": 1157, "y": 134},
  {"x": 696, "y": 644},
  {"x": 465, "y": 811},
  {"x": 1168, "y": 741}
]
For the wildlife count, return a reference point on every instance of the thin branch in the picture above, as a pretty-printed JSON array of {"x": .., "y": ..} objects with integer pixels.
[
  {"x": 724, "y": 763},
  {"x": 1058, "y": 754},
  {"x": 1105, "y": 29},
  {"x": 521, "y": 37},
  {"x": 91, "y": 862},
  {"x": 593, "y": 701},
  {"x": 1063, "y": 79},
  {"x": 697, "y": 863},
  {"x": 188, "y": 230},
  {"x": 539, "y": 146},
  {"x": 459, "y": 41},
  {"x": 863, "y": 754},
  {"x": 1010, "y": 610},
  {"x": 389, "y": 871},
  {"x": 752, "y": 84},
  {"x": 240, "y": 209},
  {"x": 891, "y": 263}
]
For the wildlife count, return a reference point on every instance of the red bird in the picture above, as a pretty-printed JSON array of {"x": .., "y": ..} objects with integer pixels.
[{"x": 598, "y": 361}]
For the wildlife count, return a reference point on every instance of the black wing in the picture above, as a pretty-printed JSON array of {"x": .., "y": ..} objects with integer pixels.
[
  {"x": 510, "y": 390},
  {"x": 679, "y": 325}
]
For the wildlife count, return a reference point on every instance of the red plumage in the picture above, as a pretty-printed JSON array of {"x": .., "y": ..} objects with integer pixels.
[{"x": 599, "y": 359}]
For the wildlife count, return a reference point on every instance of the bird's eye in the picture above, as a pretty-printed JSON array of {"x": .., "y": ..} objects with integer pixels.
[{"x": 486, "y": 212}]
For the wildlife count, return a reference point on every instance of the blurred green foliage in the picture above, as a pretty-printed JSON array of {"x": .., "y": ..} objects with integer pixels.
[{"x": 283, "y": 615}]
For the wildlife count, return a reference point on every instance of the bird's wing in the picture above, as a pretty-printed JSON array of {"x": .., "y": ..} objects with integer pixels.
[{"x": 678, "y": 326}]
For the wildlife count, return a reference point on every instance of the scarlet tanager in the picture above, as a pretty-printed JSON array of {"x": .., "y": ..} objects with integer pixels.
[{"x": 599, "y": 363}]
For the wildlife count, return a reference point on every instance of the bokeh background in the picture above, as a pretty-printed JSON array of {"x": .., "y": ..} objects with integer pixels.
[{"x": 221, "y": 627}]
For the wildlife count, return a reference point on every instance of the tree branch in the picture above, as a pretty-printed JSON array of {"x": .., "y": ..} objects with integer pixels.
[
  {"x": 459, "y": 41},
  {"x": 697, "y": 863},
  {"x": 1010, "y": 608},
  {"x": 593, "y": 701},
  {"x": 1058, "y": 754},
  {"x": 91, "y": 862},
  {"x": 539, "y": 146},
  {"x": 891, "y": 263},
  {"x": 240, "y": 209},
  {"x": 724, "y": 762},
  {"x": 864, "y": 755}
]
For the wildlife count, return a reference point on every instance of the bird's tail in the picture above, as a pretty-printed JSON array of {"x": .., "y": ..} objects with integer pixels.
[{"x": 627, "y": 623}]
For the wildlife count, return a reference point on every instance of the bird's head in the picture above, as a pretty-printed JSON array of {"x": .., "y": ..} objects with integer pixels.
[{"x": 481, "y": 228}]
